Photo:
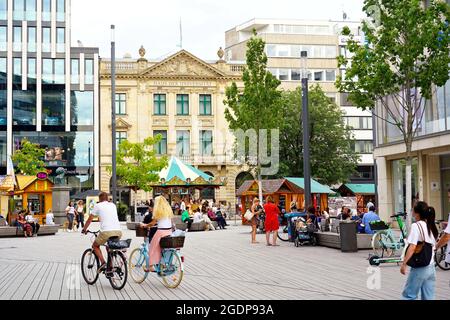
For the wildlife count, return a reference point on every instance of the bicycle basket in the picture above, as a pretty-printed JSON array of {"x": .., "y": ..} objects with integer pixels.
[
  {"x": 141, "y": 232},
  {"x": 172, "y": 242},
  {"x": 379, "y": 226},
  {"x": 119, "y": 245}
]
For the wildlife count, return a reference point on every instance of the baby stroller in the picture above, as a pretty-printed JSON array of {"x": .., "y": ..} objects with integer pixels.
[{"x": 305, "y": 233}]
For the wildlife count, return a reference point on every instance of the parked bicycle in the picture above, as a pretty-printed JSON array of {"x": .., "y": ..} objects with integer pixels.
[
  {"x": 171, "y": 267},
  {"x": 385, "y": 243},
  {"x": 441, "y": 255},
  {"x": 116, "y": 270}
]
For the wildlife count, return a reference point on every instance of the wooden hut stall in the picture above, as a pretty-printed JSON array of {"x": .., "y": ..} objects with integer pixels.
[
  {"x": 362, "y": 192},
  {"x": 320, "y": 193}
]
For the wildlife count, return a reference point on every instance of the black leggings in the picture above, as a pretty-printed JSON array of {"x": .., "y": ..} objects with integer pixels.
[
  {"x": 189, "y": 223},
  {"x": 80, "y": 220}
]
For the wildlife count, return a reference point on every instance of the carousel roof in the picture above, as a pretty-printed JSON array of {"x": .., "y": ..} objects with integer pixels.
[{"x": 181, "y": 174}]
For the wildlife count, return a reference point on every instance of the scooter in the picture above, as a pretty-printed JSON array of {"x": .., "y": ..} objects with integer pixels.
[{"x": 376, "y": 261}]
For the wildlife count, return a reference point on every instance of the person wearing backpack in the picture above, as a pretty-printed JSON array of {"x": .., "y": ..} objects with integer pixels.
[{"x": 420, "y": 255}]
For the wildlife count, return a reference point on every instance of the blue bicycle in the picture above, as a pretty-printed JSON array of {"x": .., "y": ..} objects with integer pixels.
[{"x": 170, "y": 269}]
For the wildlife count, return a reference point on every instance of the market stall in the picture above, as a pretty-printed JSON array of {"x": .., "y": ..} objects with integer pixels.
[{"x": 364, "y": 193}]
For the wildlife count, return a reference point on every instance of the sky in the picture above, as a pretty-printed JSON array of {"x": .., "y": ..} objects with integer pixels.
[{"x": 156, "y": 24}]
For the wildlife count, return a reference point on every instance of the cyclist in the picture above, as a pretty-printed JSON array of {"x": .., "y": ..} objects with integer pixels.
[{"x": 109, "y": 225}]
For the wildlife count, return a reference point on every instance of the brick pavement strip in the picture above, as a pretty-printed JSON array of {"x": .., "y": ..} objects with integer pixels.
[{"x": 219, "y": 265}]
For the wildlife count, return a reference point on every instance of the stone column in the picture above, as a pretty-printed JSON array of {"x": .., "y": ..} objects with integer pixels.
[{"x": 61, "y": 198}]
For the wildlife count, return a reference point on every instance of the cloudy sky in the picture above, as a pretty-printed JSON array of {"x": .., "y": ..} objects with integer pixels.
[{"x": 156, "y": 24}]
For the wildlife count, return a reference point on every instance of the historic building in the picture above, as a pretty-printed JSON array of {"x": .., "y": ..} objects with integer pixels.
[
  {"x": 181, "y": 98},
  {"x": 48, "y": 90},
  {"x": 285, "y": 40}
]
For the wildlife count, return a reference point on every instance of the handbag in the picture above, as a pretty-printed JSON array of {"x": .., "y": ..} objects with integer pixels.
[
  {"x": 423, "y": 253},
  {"x": 249, "y": 215}
]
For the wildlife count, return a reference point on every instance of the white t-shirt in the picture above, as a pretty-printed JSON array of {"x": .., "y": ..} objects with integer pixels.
[
  {"x": 49, "y": 219},
  {"x": 107, "y": 213},
  {"x": 71, "y": 210},
  {"x": 198, "y": 217},
  {"x": 447, "y": 231},
  {"x": 416, "y": 236},
  {"x": 183, "y": 206},
  {"x": 30, "y": 219},
  {"x": 165, "y": 224}
]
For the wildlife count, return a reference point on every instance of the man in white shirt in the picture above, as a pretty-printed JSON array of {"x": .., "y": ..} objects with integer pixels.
[
  {"x": 109, "y": 225},
  {"x": 445, "y": 240}
]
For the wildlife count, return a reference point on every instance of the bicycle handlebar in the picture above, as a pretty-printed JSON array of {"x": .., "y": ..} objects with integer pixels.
[
  {"x": 96, "y": 233},
  {"x": 400, "y": 214}
]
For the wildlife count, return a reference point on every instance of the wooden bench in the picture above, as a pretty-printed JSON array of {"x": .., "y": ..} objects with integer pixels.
[
  {"x": 333, "y": 240},
  {"x": 45, "y": 230}
]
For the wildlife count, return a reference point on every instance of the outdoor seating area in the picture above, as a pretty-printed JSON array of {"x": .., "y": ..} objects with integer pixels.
[{"x": 11, "y": 232}]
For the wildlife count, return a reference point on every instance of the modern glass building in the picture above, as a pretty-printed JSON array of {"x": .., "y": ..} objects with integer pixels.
[{"x": 48, "y": 89}]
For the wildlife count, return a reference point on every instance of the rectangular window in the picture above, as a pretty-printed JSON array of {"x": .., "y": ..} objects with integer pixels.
[
  {"x": 283, "y": 75},
  {"x": 205, "y": 105},
  {"x": 182, "y": 104},
  {"x": 24, "y": 107},
  {"x": 121, "y": 136},
  {"x": 183, "y": 143},
  {"x": 53, "y": 105},
  {"x": 3, "y": 9},
  {"x": 46, "y": 40},
  {"x": 318, "y": 76},
  {"x": 17, "y": 70},
  {"x": 3, "y": 108},
  {"x": 271, "y": 50},
  {"x": 75, "y": 71},
  {"x": 161, "y": 147},
  {"x": 296, "y": 75},
  {"x": 19, "y": 10},
  {"x": 31, "y": 10},
  {"x": 3, "y": 38},
  {"x": 360, "y": 123},
  {"x": 331, "y": 75},
  {"x": 60, "y": 73},
  {"x": 363, "y": 147},
  {"x": 47, "y": 71},
  {"x": 31, "y": 71},
  {"x": 82, "y": 108},
  {"x": 32, "y": 39},
  {"x": 159, "y": 102},
  {"x": 121, "y": 104},
  {"x": 89, "y": 71},
  {"x": 60, "y": 40},
  {"x": 3, "y": 70},
  {"x": 46, "y": 10},
  {"x": 17, "y": 44},
  {"x": 206, "y": 143},
  {"x": 60, "y": 10}
]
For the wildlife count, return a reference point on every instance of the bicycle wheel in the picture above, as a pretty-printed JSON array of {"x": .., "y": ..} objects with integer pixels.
[
  {"x": 283, "y": 234},
  {"x": 119, "y": 271},
  {"x": 89, "y": 267},
  {"x": 136, "y": 266},
  {"x": 440, "y": 259},
  {"x": 172, "y": 271},
  {"x": 379, "y": 244}
]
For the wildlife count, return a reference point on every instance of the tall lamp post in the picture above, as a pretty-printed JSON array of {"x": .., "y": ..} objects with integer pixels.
[
  {"x": 113, "y": 119},
  {"x": 306, "y": 130}
]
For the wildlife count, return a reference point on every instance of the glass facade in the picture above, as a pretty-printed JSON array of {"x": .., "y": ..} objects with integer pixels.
[
  {"x": 60, "y": 10},
  {"x": 46, "y": 40},
  {"x": 53, "y": 105},
  {"x": 32, "y": 39},
  {"x": 3, "y": 9},
  {"x": 60, "y": 40},
  {"x": 3, "y": 38},
  {"x": 46, "y": 10},
  {"x": 89, "y": 71},
  {"x": 31, "y": 71},
  {"x": 3, "y": 149},
  {"x": 30, "y": 11},
  {"x": 3, "y": 93},
  {"x": 17, "y": 39},
  {"x": 82, "y": 108},
  {"x": 19, "y": 9},
  {"x": 24, "y": 107},
  {"x": 75, "y": 71}
]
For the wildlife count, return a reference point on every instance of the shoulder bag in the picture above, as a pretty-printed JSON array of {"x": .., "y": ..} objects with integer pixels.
[{"x": 423, "y": 253}]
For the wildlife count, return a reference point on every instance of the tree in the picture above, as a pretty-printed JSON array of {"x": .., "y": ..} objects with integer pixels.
[
  {"x": 333, "y": 157},
  {"x": 138, "y": 165},
  {"x": 406, "y": 57},
  {"x": 257, "y": 107},
  {"x": 29, "y": 159}
]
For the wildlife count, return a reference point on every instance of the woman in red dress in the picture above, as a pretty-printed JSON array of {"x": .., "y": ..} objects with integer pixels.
[{"x": 272, "y": 221}]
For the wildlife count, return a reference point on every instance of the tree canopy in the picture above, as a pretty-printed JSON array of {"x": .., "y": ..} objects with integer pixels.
[{"x": 29, "y": 159}]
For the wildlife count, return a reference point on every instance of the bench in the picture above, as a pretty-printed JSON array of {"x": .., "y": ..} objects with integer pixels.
[
  {"x": 333, "y": 240},
  {"x": 45, "y": 230}
]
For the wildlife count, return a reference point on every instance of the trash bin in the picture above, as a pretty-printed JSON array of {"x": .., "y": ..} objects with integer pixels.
[{"x": 349, "y": 237}]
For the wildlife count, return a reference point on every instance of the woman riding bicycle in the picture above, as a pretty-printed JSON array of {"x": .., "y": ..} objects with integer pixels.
[{"x": 163, "y": 215}]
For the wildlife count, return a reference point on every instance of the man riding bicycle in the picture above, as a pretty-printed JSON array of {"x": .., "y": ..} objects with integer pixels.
[{"x": 109, "y": 225}]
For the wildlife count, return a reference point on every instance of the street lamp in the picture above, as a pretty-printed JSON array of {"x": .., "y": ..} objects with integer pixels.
[
  {"x": 306, "y": 130},
  {"x": 113, "y": 112}
]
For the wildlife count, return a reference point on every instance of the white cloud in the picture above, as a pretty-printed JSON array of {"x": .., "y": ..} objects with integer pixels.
[{"x": 155, "y": 24}]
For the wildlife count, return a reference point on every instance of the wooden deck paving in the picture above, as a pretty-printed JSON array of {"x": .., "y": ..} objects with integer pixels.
[{"x": 219, "y": 265}]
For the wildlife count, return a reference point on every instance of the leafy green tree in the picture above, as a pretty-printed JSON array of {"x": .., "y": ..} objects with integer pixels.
[
  {"x": 395, "y": 74},
  {"x": 333, "y": 157},
  {"x": 257, "y": 107},
  {"x": 29, "y": 159},
  {"x": 138, "y": 166}
]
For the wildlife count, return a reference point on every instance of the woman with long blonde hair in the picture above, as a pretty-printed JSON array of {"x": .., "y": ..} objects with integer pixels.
[{"x": 163, "y": 215}]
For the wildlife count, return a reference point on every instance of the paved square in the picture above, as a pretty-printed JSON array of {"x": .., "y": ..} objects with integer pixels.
[{"x": 219, "y": 265}]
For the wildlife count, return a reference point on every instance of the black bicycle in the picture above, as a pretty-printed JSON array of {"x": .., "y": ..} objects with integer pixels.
[
  {"x": 116, "y": 270},
  {"x": 441, "y": 256}
]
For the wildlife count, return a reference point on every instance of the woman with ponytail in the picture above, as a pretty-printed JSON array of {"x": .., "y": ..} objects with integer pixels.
[{"x": 423, "y": 235}]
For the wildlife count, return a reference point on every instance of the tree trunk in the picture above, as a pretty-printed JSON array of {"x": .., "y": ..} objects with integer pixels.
[
  {"x": 409, "y": 193},
  {"x": 135, "y": 205},
  {"x": 260, "y": 187}
]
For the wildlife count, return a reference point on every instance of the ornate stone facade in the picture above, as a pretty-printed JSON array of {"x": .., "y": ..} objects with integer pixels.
[{"x": 148, "y": 94}]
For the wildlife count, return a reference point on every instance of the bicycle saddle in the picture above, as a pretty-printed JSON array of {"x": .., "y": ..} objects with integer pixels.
[{"x": 400, "y": 214}]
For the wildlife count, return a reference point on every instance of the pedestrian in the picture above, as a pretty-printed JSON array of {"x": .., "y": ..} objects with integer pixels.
[
  {"x": 186, "y": 218},
  {"x": 423, "y": 235},
  {"x": 370, "y": 205},
  {"x": 35, "y": 226},
  {"x": 70, "y": 213},
  {"x": 257, "y": 210},
  {"x": 50, "y": 218},
  {"x": 272, "y": 221},
  {"x": 368, "y": 218},
  {"x": 80, "y": 214}
]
